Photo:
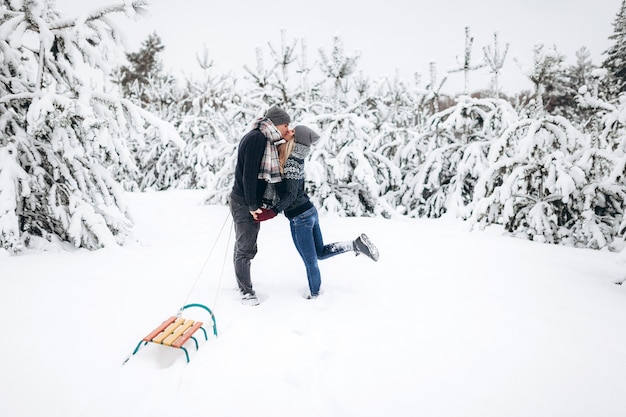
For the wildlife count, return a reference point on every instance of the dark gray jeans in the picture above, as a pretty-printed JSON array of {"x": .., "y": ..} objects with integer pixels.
[{"x": 246, "y": 232}]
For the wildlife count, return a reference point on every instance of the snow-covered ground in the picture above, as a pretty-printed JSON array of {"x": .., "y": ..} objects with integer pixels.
[{"x": 448, "y": 323}]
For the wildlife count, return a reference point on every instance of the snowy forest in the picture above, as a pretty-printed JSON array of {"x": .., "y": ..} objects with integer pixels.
[{"x": 82, "y": 122}]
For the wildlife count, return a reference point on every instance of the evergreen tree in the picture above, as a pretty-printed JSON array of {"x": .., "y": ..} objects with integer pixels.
[
  {"x": 602, "y": 199},
  {"x": 457, "y": 141},
  {"x": 204, "y": 112},
  {"x": 603, "y": 159},
  {"x": 212, "y": 128},
  {"x": 435, "y": 98},
  {"x": 339, "y": 66},
  {"x": 615, "y": 62},
  {"x": 160, "y": 163},
  {"x": 345, "y": 175},
  {"x": 533, "y": 184},
  {"x": 143, "y": 66},
  {"x": 60, "y": 133},
  {"x": 548, "y": 77},
  {"x": 581, "y": 73},
  {"x": 273, "y": 83},
  {"x": 399, "y": 111},
  {"x": 466, "y": 65},
  {"x": 578, "y": 75},
  {"x": 495, "y": 59}
]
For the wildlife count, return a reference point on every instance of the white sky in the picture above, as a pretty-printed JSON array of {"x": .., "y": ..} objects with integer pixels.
[{"x": 391, "y": 35}]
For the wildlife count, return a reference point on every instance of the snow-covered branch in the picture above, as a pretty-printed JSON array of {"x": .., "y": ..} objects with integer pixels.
[{"x": 130, "y": 8}]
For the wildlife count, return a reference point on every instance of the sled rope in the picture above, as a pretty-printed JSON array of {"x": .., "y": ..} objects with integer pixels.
[
  {"x": 206, "y": 261},
  {"x": 219, "y": 282}
]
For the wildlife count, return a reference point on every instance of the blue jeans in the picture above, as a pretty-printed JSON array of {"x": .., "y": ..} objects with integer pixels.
[
  {"x": 307, "y": 236},
  {"x": 246, "y": 233}
]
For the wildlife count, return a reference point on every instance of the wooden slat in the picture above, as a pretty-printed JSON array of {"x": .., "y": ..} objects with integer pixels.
[
  {"x": 159, "y": 329},
  {"x": 181, "y": 340},
  {"x": 168, "y": 331},
  {"x": 179, "y": 331}
]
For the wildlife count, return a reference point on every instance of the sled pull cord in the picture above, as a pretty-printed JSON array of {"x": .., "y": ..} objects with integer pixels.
[
  {"x": 205, "y": 263},
  {"x": 219, "y": 283}
]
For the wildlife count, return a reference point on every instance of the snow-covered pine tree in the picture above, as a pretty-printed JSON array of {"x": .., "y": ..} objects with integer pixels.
[
  {"x": 63, "y": 129},
  {"x": 466, "y": 65},
  {"x": 578, "y": 75},
  {"x": 142, "y": 81},
  {"x": 456, "y": 142},
  {"x": 259, "y": 77},
  {"x": 399, "y": 109},
  {"x": 143, "y": 68},
  {"x": 284, "y": 58},
  {"x": 212, "y": 127},
  {"x": 339, "y": 67},
  {"x": 604, "y": 163},
  {"x": 494, "y": 58},
  {"x": 351, "y": 170},
  {"x": 398, "y": 103},
  {"x": 342, "y": 170},
  {"x": 602, "y": 199},
  {"x": 434, "y": 89},
  {"x": 161, "y": 163},
  {"x": 548, "y": 75},
  {"x": 561, "y": 86},
  {"x": 204, "y": 111},
  {"x": 415, "y": 149},
  {"x": 613, "y": 207},
  {"x": 615, "y": 62},
  {"x": 272, "y": 83},
  {"x": 532, "y": 184}
]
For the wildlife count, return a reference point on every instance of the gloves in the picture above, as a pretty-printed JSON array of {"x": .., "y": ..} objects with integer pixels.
[{"x": 265, "y": 214}]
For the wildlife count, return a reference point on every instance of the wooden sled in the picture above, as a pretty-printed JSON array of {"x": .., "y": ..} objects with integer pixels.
[{"x": 176, "y": 331}]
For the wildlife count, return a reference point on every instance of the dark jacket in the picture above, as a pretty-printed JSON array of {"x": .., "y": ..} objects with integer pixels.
[{"x": 248, "y": 189}]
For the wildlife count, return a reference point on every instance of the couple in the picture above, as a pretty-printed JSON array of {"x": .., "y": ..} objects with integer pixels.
[{"x": 271, "y": 158}]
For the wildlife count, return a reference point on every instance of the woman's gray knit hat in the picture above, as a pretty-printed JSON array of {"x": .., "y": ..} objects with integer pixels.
[
  {"x": 305, "y": 135},
  {"x": 278, "y": 116}
]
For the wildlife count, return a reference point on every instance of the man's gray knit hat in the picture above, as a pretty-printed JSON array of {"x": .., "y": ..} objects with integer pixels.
[
  {"x": 305, "y": 135},
  {"x": 278, "y": 116}
]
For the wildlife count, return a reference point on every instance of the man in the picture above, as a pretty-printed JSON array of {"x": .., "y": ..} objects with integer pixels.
[{"x": 256, "y": 166}]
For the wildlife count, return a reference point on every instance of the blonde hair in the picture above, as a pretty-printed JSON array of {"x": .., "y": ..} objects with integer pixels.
[{"x": 284, "y": 150}]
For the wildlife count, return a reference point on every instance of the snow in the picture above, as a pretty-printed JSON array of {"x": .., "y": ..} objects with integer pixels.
[{"x": 448, "y": 323}]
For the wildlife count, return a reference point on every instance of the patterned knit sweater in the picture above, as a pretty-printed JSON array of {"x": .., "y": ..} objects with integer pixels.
[{"x": 292, "y": 197}]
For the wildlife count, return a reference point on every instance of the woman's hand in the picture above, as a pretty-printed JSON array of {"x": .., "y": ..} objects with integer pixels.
[{"x": 265, "y": 214}]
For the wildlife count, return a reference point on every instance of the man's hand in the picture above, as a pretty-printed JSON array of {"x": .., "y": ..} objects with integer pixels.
[{"x": 256, "y": 213}]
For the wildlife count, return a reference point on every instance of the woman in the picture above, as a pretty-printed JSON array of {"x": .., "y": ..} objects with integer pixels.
[{"x": 303, "y": 217}]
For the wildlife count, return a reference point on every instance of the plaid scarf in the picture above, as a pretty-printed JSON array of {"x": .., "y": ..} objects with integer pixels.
[{"x": 270, "y": 166}]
